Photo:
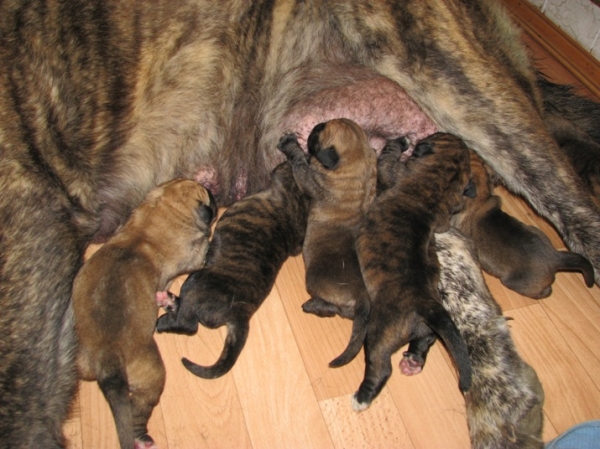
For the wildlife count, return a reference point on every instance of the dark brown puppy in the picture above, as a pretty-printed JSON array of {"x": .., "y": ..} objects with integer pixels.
[
  {"x": 340, "y": 178},
  {"x": 114, "y": 300},
  {"x": 250, "y": 243},
  {"x": 396, "y": 251},
  {"x": 520, "y": 255},
  {"x": 506, "y": 398}
]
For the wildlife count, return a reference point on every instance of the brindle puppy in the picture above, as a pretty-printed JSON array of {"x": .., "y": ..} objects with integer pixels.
[
  {"x": 340, "y": 178},
  {"x": 505, "y": 401},
  {"x": 100, "y": 101},
  {"x": 250, "y": 243},
  {"x": 396, "y": 251},
  {"x": 520, "y": 255},
  {"x": 114, "y": 300}
]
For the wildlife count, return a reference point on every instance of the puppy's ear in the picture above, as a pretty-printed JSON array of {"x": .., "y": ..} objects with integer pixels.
[
  {"x": 329, "y": 157},
  {"x": 470, "y": 189},
  {"x": 422, "y": 149}
]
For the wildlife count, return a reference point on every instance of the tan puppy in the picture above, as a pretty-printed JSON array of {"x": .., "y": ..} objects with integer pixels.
[
  {"x": 521, "y": 256},
  {"x": 115, "y": 304},
  {"x": 340, "y": 179}
]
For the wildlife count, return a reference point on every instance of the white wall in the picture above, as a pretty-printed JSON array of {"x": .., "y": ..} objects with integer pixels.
[{"x": 578, "y": 18}]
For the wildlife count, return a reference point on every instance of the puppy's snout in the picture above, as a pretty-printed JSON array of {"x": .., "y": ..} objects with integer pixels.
[
  {"x": 208, "y": 212},
  {"x": 313, "y": 139}
]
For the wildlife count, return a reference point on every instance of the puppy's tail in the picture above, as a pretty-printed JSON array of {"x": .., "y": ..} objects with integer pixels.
[
  {"x": 115, "y": 387},
  {"x": 359, "y": 331},
  {"x": 237, "y": 333},
  {"x": 569, "y": 261},
  {"x": 440, "y": 321}
]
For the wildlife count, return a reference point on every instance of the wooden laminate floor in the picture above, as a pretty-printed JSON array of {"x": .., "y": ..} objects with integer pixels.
[{"x": 281, "y": 393}]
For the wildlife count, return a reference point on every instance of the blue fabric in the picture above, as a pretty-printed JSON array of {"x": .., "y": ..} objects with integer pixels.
[{"x": 582, "y": 436}]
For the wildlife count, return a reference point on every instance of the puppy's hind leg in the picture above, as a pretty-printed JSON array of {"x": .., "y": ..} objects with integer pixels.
[
  {"x": 146, "y": 383},
  {"x": 414, "y": 358},
  {"x": 113, "y": 384},
  {"x": 320, "y": 307},
  {"x": 377, "y": 372}
]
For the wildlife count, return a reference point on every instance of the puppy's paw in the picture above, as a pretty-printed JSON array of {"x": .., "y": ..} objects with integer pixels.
[
  {"x": 145, "y": 442},
  {"x": 359, "y": 406},
  {"x": 411, "y": 364},
  {"x": 167, "y": 301},
  {"x": 396, "y": 146},
  {"x": 288, "y": 143}
]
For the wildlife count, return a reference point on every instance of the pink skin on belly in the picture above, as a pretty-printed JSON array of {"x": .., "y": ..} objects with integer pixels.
[{"x": 378, "y": 105}]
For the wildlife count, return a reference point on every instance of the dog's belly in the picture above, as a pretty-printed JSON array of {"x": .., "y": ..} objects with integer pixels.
[{"x": 378, "y": 105}]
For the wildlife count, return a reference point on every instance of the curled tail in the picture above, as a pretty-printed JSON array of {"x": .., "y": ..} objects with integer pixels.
[
  {"x": 575, "y": 262},
  {"x": 440, "y": 321},
  {"x": 359, "y": 331},
  {"x": 237, "y": 333},
  {"x": 115, "y": 387}
]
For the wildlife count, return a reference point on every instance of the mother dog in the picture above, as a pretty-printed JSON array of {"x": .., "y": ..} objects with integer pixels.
[{"x": 101, "y": 100}]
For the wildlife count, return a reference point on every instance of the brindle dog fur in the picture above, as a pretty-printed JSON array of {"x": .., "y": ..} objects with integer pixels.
[
  {"x": 396, "y": 252},
  {"x": 100, "y": 101},
  {"x": 340, "y": 178},
  {"x": 114, "y": 300},
  {"x": 506, "y": 398},
  {"x": 521, "y": 256},
  {"x": 250, "y": 243},
  {"x": 573, "y": 122}
]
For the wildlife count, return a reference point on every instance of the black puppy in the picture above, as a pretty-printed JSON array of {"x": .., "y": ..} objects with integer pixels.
[{"x": 250, "y": 243}]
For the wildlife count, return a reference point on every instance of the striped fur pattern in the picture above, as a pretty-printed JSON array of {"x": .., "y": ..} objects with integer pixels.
[
  {"x": 100, "y": 101},
  {"x": 340, "y": 178},
  {"x": 250, "y": 243},
  {"x": 396, "y": 252}
]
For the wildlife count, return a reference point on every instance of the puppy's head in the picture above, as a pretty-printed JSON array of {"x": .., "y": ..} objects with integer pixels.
[
  {"x": 338, "y": 142},
  {"x": 184, "y": 200},
  {"x": 452, "y": 161}
]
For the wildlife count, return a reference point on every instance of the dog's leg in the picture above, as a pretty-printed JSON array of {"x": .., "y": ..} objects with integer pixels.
[
  {"x": 146, "y": 383},
  {"x": 504, "y": 403},
  {"x": 290, "y": 146},
  {"x": 389, "y": 163},
  {"x": 37, "y": 370}
]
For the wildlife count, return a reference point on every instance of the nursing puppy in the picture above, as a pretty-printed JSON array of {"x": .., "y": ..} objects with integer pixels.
[
  {"x": 115, "y": 300},
  {"x": 340, "y": 179},
  {"x": 250, "y": 243},
  {"x": 520, "y": 255},
  {"x": 396, "y": 251},
  {"x": 131, "y": 94},
  {"x": 506, "y": 398}
]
